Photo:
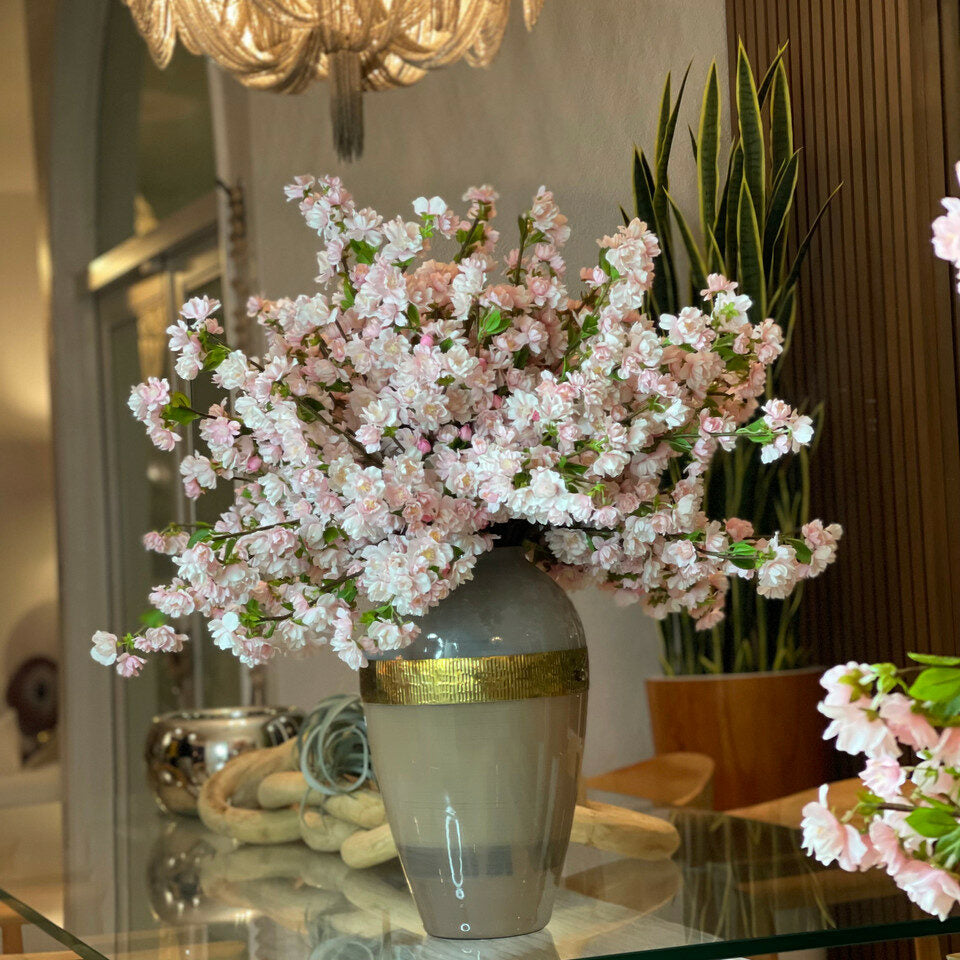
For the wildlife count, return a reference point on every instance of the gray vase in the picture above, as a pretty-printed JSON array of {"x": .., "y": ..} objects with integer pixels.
[{"x": 476, "y": 733}]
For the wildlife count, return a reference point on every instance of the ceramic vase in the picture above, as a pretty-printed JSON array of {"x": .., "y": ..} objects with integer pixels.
[{"x": 476, "y": 736}]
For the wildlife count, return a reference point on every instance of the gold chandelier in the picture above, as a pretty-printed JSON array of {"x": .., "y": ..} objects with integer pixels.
[{"x": 284, "y": 45}]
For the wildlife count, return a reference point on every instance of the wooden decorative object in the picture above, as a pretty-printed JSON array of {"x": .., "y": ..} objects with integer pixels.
[
  {"x": 787, "y": 811},
  {"x": 725, "y": 717},
  {"x": 256, "y": 798},
  {"x": 680, "y": 779}
]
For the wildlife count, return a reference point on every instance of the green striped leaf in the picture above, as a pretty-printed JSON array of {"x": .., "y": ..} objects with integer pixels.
[
  {"x": 644, "y": 193},
  {"x": 698, "y": 270},
  {"x": 765, "y": 83},
  {"x": 643, "y": 189},
  {"x": 670, "y": 298},
  {"x": 751, "y": 130},
  {"x": 665, "y": 136},
  {"x": 733, "y": 199},
  {"x": 714, "y": 254},
  {"x": 662, "y": 120},
  {"x": 749, "y": 255},
  {"x": 781, "y": 121},
  {"x": 708, "y": 150},
  {"x": 778, "y": 215},
  {"x": 720, "y": 223},
  {"x": 787, "y": 286}
]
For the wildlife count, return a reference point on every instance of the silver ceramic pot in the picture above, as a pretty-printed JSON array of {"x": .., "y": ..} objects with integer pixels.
[
  {"x": 183, "y": 749},
  {"x": 476, "y": 735}
]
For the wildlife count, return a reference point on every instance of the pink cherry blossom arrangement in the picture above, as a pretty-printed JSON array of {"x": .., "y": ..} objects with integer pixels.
[
  {"x": 401, "y": 416},
  {"x": 908, "y": 818}
]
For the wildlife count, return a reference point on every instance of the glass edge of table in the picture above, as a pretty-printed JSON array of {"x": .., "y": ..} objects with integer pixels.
[
  {"x": 51, "y": 929},
  {"x": 800, "y": 940},
  {"x": 710, "y": 950}
]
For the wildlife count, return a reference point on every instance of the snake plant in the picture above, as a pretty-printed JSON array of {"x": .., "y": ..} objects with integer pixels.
[{"x": 744, "y": 228}]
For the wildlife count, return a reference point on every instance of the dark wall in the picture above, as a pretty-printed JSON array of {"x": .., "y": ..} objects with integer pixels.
[{"x": 876, "y": 95}]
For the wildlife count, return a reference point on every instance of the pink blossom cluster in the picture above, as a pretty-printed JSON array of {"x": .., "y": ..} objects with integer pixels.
[
  {"x": 416, "y": 400},
  {"x": 946, "y": 232},
  {"x": 908, "y": 822}
]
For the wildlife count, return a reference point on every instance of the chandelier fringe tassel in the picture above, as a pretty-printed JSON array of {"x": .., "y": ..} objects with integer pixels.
[{"x": 346, "y": 104}]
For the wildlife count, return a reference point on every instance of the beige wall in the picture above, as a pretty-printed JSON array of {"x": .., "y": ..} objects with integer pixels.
[
  {"x": 560, "y": 106},
  {"x": 28, "y": 569}
]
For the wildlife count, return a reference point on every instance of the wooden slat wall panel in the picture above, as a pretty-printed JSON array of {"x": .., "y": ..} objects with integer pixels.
[{"x": 876, "y": 88}]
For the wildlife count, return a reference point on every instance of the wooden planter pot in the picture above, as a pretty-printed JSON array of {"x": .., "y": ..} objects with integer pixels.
[{"x": 762, "y": 729}]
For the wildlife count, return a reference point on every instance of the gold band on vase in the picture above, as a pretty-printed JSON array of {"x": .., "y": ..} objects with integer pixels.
[{"x": 520, "y": 676}]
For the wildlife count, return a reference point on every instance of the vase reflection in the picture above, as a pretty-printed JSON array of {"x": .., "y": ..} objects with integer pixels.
[{"x": 319, "y": 908}]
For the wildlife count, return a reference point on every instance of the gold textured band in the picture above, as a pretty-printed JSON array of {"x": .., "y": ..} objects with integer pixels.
[{"x": 475, "y": 679}]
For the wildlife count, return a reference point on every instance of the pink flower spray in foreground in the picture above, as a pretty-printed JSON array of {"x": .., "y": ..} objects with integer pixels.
[
  {"x": 426, "y": 392},
  {"x": 908, "y": 730}
]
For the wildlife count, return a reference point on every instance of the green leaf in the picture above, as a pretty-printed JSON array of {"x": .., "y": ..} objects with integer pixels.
[
  {"x": 803, "y": 552},
  {"x": 751, "y": 129},
  {"x": 605, "y": 265},
  {"x": 665, "y": 143},
  {"x": 778, "y": 213},
  {"x": 413, "y": 315},
  {"x": 936, "y": 684},
  {"x": 781, "y": 121},
  {"x": 693, "y": 142},
  {"x": 787, "y": 286},
  {"x": 153, "y": 618},
  {"x": 769, "y": 76},
  {"x": 199, "y": 535},
  {"x": 671, "y": 294},
  {"x": 750, "y": 256},
  {"x": 349, "y": 294},
  {"x": 363, "y": 250},
  {"x": 698, "y": 271},
  {"x": 734, "y": 184},
  {"x": 643, "y": 197},
  {"x": 663, "y": 119},
  {"x": 947, "y": 852},
  {"x": 215, "y": 356},
  {"x": 714, "y": 253},
  {"x": 931, "y": 822},
  {"x": 708, "y": 150},
  {"x": 182, "y": 415},
  {"x": 493, "y": 323},
  {"x": 934, "y": 660},
  {"x": 643, "y": 189}
]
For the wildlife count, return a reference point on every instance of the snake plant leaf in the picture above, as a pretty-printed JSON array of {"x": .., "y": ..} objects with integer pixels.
[
  {"x": 778, "y": 214},
  {"x": 698, "y": 270},
  {"x": 791, "y": 280},
  {"x": 720, "y": 223},
  {"x": 693, "y": 142},
  {"x": 670, "y": 298},
  {"x": 750, "y": 255},
  {"x": 666, "y": 134},
  {"x": 751, "y": 129},
  {"x": 708, "y": 150},
  {"x": 625, "y": 216},
  {"x": 784, "y": 315},
  {"x": 644, "y": 193},
  {"x": 734, "y": 184},
  {"x": 781, "y": 121},
  {"x": 662, "y": 119},
  {"x": 643, "y": 189},
  {"x": 768, "y": 77},
  {"x": 714, "y": 254}
]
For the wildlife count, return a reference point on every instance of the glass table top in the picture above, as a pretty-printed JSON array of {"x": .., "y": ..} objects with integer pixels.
[{"x": 735, "y": 887}]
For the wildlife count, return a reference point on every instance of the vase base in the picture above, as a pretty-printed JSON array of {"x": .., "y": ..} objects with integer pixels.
[{"x": 485, "y": 934}]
